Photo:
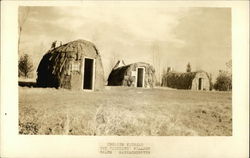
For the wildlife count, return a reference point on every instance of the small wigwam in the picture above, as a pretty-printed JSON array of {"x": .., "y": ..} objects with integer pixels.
[
  {"x": 75, "y": 65},
  {"x": 198, "y": 80},
  {"x": 138, "y": 74}
]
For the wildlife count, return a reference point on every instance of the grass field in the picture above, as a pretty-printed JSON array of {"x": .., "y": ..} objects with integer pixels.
[{"x": 125, "y": 112}]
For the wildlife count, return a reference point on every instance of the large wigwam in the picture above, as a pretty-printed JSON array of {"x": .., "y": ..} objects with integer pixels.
[
  {"x": 75, "y": 65},
  {"x": 189, "y": 80},
  {"x": 138, "y": 74}
]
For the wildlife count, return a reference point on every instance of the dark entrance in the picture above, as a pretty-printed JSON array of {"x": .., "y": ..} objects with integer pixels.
[
  {"x": 200, "y": 83},
  {"x": 140, "y": 77},
  {"x": 88, "y": 73}
]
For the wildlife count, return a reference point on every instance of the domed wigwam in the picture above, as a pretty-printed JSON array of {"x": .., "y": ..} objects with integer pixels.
[
  {"x": 198, "y": 80},
  {"x": 75, "y": 65},
  {"x": 138, "y": 74}
]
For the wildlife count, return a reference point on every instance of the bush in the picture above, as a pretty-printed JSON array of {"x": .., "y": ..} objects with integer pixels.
[
  {"x": 223, "y": 81},
  {"x": 25, "y": 66}
]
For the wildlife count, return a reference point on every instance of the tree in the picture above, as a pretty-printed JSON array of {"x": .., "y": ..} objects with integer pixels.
[
  {"x": 188, "y": 67},
  {"x": 223, "y": 81},
  {"x": 156, "y": 56},
  {"x": 23, "y": 16},
  {"x": 25, "y": 66}
]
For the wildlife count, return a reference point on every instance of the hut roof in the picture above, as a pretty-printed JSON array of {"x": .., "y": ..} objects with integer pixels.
[
  {"x": 74, "y": 50},
  {"x": 189, "y": 74},
  {"x": 77, "y": 46},
  {"x": 122, "y": 69}
]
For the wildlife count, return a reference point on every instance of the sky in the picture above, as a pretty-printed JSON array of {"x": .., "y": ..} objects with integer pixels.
[{"x": 160, "y": 35}]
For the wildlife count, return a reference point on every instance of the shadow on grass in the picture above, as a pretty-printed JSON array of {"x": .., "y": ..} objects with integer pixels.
[
  {"x": 27, "y": 84},
  {"x": 33, "y": 84}
]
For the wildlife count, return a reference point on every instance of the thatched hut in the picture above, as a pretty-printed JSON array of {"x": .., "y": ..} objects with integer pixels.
[
  {"x": 74, "y": 65},
  {"x": 138, "y": 74},
  {"x": 190, "y": 80}
]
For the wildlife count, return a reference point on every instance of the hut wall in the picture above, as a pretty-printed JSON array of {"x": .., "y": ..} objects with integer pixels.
[
  {"x": 205, "y": 81},
  {"x": 99, "y": 74},
  {"x": 127, "y": 77},
  {"x": 76, "y": 81},
  {"x": 77, "y": 76},
  {"x": 150, "y": 77}
]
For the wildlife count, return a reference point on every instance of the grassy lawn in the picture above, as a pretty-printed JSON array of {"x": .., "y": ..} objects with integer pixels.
[{"x": 125, "y": 112}]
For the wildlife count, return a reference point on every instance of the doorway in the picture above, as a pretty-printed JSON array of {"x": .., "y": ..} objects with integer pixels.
[
  {"x": 200, "y": 84},
  {"x": 88, "y": 73},
  {"x": 140, "y": 77}
]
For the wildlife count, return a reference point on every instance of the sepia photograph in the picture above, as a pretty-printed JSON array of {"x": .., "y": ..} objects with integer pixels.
[
  {"x": 124, "y": 79},
  {"x": 124, "y": 71}
]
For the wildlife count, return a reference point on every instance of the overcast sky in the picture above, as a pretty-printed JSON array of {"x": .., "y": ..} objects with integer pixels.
[{"x": 201, "y": 36}]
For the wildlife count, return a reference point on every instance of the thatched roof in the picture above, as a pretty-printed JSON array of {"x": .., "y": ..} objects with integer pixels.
[
  {"x": 190, "y": 74},
  {"x": 74, "y": 50},
  {"x": 76, "y": 47}
]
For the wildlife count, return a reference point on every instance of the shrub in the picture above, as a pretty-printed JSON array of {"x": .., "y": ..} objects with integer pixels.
[{"x": 223, "y": 81}]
